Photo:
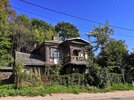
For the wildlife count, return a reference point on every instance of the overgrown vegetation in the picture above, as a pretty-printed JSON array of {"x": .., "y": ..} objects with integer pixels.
[
  {"x": 18, "y": 71},
  {"x": 5, "y": 44},
  {"x": 111, "y": 69},
  {"x": 42, "y": 90}
]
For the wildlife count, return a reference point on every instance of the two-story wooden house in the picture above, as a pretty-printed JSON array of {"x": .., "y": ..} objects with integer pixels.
[{"x": 73, "y": 53}]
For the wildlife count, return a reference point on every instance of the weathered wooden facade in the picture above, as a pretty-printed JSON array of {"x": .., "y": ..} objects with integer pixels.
[{"x": 72, "y": 52}]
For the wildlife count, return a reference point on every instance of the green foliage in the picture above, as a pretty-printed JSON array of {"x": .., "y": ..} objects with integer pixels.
[
  {"x": 18, "y": 71},
  {"x": 120, "y": 86},
  {"x": 129, "y": 73},
  {"x": 113, "y": 54},
  {"x": 66, "y": 30},
  {"x": 5, "y": 45},
  {"x": 101, "y": 36},
  {"x": 19, "y": 68},
  {"x": 42, "y": 30},
  {"x": 28, "y": 32},
  {"x": 98, "y": 77},
  {"x": 53, "y": 69},
  {"x": 101, "y": 77},
  {"x": 70, "y": 79},
  {"x": 22, "y": 36},
  {"x": 8, "y": 90},
  {"x": 40, "y": 36},
  {"x": 30, "y": 80},
  {"x": 115, "y": 78}
]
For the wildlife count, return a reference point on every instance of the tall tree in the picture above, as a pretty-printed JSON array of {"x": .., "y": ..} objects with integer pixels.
[
  {"x": 100, "y": 36},
  {"x": 66, "y": 30},
  {"x": 5, "y": 32},
  {"x": 42, "y": 30},
  {"x": 22, "y": 33},
  {"x": 113, "y": 54}
]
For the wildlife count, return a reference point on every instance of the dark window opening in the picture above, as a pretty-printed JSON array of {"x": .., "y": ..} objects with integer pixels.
[{"x": 54, "y": 53}]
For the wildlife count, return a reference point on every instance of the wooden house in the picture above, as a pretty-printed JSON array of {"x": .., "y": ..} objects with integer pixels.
[{"x": 73, "y": 53}]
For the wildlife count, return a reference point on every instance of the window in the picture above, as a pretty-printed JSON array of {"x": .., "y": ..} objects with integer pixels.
[{"x": 54, "y": 53}]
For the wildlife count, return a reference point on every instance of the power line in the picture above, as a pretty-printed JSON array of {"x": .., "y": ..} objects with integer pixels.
[
  {"x": 34, "y": 13},
  {"x": 73, "y": 16},
  {"x": 43, "y": 16},
  {"x": 123, "y": 35},
  {"x": 58, "y": 20}
]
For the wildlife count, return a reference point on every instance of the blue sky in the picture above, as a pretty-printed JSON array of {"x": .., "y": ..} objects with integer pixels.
[{"x": 117, "y": 12}]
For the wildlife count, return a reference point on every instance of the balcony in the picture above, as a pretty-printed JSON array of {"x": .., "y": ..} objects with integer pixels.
[{"x": 75, "y": 60}]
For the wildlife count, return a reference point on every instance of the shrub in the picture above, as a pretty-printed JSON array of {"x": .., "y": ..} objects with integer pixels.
[
  {"x": 53, "y": 69},
  {"x": 70, "y": 79},
  {"x": 115, "y": 78},
  {"x": 100, "y": 77},
  {"x": 18, "y": 71}
]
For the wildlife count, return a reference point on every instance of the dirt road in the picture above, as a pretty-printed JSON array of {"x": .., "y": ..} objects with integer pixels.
[{"x": 120, "y": 95}]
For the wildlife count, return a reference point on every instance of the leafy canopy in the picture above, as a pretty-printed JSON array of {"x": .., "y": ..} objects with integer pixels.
[
  {"x": 5, "y": 32},
  {"x": 66, "y": 30},
  {"x": 100, "y": 36},
  {"x": 42, "y": 30},
  {"x": 22, "y": 34}
]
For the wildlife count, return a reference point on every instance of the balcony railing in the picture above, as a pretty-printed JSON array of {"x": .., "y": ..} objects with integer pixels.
[{"x": 75, "y": 59}]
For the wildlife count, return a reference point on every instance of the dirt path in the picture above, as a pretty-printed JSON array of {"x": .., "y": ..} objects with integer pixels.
[{"x": 81, "y": 96}]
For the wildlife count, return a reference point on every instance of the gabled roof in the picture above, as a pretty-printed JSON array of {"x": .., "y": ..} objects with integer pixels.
[
  {"x": 29, "y": 59},
  {"x": 77, "y": 39}
]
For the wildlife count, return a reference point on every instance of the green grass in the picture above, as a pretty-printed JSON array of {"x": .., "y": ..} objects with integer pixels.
[
  {"x": 120, "y": 87},
  {"x": 8, "y": 90}
]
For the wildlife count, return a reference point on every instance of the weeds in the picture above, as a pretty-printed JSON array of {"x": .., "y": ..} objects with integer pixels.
[{"x": 42, "y": 90}]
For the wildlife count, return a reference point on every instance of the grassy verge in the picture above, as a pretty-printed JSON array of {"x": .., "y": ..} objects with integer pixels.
[{"x": 8, "y": 90}]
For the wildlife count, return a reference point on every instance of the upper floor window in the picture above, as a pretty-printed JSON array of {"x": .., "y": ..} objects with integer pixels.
[
  {"x": 78, "y": 53},
  {"x": 54, "y": 53}
]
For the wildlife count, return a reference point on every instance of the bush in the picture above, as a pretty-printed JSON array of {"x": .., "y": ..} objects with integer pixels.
[
  {"x": 18, "y": 71},
  {"x": 115, "y": 78},
  {"x": 53, "y": 69},
  {"x": 100, "y": 77},
  {"x": 70, "y": 79}
]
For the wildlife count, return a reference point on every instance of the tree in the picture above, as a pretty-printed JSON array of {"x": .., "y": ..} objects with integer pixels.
[
  {"x": 113, "y": 57},
  {"x": 22, "y": 33},
  {"x": 30, "y": 32},
  {"x": 42, "y": 30},
  {"x": 66, "y": 30},
  {"x": 5, "y": 45},
  {"x": 18, "y": 71},
  {"x": 100, "y": 36},
  {"x": 130, "y": 67},
  {"x": 112, "y": 52}
]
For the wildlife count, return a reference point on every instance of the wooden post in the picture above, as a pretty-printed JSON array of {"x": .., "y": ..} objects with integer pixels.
[{"x": 47, "y": 54}]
